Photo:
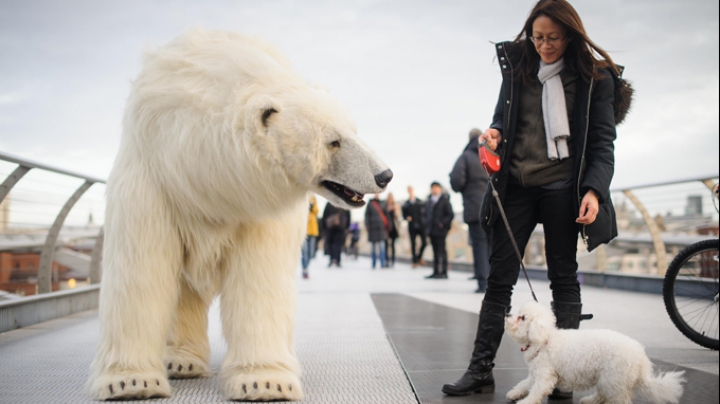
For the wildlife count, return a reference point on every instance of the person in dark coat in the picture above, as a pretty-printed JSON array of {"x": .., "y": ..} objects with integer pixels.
[
  {"x": 413, "y": 210},
  {"x": 336, "y": 222},
  {"x": 438, "y": 216},
  {"x": 377, "y": 226},
  {"x": 554, "y": 129},
  {"x": 470, "y": 178},
  {"x": 391, "y": 212}
]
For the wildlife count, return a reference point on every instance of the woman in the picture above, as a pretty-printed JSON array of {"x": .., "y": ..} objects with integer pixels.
[
  {"x": 392, "y": 215},
  {"x": 554, "y": 128},
  {"x": 376, "y": 224}
]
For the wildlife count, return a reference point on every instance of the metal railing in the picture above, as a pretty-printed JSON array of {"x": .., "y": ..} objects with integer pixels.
[
  {"x": 648, "y": 200},
  {"x": 44, "y": 279}
]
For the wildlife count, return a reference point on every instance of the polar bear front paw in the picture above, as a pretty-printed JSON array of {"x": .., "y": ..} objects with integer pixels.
[
  {"x": 185, "y": 367},
  {"x": 129, "y": 385},
  {"x": 263, "y": 385}
]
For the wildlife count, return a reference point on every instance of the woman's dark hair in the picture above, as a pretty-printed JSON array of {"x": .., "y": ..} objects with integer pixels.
[{"x": 580, "y": 56}]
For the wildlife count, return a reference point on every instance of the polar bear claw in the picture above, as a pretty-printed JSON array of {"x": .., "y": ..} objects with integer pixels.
[
  {"x": 179, "y": 367},
  {"x": 265, "y": 385},
  {"x": 129, "y": 386}
]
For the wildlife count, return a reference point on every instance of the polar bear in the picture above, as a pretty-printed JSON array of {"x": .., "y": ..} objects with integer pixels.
[{"x": 222, "y": 141}]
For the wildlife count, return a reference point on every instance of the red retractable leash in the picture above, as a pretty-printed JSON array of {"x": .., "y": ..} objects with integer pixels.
[{"x": 491, "y": 163}]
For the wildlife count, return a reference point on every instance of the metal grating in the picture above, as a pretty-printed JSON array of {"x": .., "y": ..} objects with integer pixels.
[{"x": 344, "y": 351}]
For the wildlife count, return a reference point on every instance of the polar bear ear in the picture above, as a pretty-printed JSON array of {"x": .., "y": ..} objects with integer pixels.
[{"x": 266, "y": 115}]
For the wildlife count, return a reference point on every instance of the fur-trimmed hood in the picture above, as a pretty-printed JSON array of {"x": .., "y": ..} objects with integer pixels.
[{"x": 624, "y": 92}]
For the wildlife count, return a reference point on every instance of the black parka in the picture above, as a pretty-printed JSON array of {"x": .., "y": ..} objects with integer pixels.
[
  {"x": 594, "y": 131},
  {"x": 469, "y": 178}
]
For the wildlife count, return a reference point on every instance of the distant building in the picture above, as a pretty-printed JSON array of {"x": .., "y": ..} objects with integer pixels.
[{"x": 19, "y": 271}]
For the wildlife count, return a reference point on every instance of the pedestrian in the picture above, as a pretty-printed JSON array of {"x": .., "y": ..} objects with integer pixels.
[
  {"x": 554, "y": 125},
  {"x": 469, "y": 178},
  {"x": 377, "y": 225},
  {"x": 438, "y": 216},
  {"x": 354, "y": 240},
  {"x": 391, "y": 212},
  {"x": 413, "y": 210},
  {"x": 336, "y": 222},
  {"x": 311, "y": 236}
]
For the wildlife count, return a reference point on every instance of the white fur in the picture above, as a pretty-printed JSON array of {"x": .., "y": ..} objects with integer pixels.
[
  {"x": 205, "y": 198},
  {"x": 609, "y": 362}
]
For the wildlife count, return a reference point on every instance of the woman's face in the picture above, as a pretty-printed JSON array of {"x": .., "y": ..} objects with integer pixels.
[{"x": 549, "y": 39}]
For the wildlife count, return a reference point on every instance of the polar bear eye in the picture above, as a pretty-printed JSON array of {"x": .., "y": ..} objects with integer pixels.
[{"x": 335, "y": 144}]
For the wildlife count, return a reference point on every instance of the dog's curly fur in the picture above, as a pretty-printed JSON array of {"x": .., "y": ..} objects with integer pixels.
[{"x": 613, "y": 364}]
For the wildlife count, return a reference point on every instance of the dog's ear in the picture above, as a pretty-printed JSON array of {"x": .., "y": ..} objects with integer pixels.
[{"x": 539, "y": 329}]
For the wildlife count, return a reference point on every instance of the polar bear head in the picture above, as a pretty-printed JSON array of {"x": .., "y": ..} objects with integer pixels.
[
  {"x": 310, "y": 135},
  {"x": 230, "y": 125}
]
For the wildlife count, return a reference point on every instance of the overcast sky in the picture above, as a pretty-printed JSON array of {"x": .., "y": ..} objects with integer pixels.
[{"x": 417, "y": 75}]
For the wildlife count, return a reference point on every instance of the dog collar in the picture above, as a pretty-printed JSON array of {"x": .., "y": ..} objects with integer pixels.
[{"x": 525, "y": 349}]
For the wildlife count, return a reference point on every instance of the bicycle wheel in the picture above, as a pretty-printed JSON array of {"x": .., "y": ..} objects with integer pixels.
[{"x": 690, "y": 291}]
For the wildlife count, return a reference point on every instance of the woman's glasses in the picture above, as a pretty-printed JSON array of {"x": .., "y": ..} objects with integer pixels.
[{"x": 539, "y": 40}]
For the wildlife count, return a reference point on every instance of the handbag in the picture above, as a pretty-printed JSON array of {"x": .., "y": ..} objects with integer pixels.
[{"x": 384, "y": 218}]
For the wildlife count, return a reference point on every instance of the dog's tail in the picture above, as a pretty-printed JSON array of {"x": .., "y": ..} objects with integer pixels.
[{"x": 663, "y": 388}]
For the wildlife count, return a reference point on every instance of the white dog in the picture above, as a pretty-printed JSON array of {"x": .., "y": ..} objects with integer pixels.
[{"x": 611, "y": 363}]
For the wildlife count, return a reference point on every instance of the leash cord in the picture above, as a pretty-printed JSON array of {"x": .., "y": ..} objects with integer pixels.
[{"x": 511, "y": 235}]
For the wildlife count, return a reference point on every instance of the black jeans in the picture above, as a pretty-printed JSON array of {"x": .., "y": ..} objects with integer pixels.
[
  {"x": 336, "y": 241},
  {"x": 440, "y": 262},
  {"x": 390, "y": 251},
  {"x": 417, "y": 255},
  {"x": 481, "y": 253},
  {"x": 525, "y": 208}
]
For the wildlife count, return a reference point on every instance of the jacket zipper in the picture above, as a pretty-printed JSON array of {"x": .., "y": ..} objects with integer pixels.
[
  {"x": 582, "y": 158},
  {"x": 507, "y": 119},
  {"x": 512, "y": 92}
]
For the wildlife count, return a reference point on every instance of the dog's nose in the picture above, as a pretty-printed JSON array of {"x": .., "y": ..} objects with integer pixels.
[{"x": 384, "y": 178}]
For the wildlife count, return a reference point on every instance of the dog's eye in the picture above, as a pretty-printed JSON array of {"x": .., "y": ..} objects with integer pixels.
[
  {"x": 335, "y": 144},
  {"x": 522, "y": 318}
]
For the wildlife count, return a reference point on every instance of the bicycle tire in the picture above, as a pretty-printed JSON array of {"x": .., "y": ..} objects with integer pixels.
[{"x": 690, "y": 289}]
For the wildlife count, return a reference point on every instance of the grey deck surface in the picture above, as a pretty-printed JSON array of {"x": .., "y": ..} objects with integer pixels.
[
  {"x": 343, "y": 345},
  {"x": 434, "y": 343}
]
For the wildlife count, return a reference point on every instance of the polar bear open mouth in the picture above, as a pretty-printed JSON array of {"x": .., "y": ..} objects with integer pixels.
[{"x": 350, "y": 196}]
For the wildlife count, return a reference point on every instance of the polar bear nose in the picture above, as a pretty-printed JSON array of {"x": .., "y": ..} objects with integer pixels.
[{"x": 384, "y": 178}]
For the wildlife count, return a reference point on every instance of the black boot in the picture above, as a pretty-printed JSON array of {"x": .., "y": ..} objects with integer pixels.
[
  {"x": 568, "y": 317},
  {"x": 479, "y": 378}
]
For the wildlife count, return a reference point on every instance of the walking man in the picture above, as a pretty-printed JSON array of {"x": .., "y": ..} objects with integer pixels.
[
  {"x": 439, "y": 216},
  {"x": 469, "y": 178},
  {"x": 413, "y": 212}
]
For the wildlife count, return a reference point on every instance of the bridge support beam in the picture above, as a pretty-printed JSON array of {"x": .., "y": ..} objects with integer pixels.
[
  {"x": 11, "y": 180},
  {"x": 658, "y": 243},
  {"x": 46, "y": 257}
]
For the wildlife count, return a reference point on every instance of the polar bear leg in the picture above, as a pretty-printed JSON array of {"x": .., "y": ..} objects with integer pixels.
[
  {"x": 258, "y": 312},
  {"x": 142, "y": 259},
  {"x": 188, "y": 350}
]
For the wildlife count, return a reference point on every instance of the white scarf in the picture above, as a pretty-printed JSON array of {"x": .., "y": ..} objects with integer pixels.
[{"x": 557, "y": 126}]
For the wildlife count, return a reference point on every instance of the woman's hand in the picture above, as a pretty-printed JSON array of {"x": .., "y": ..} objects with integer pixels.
[
  {"x": 588, "y": 208},
  {"x": 492, "y": 137}
]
